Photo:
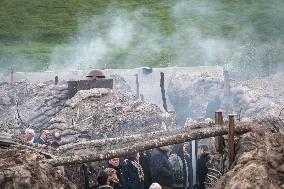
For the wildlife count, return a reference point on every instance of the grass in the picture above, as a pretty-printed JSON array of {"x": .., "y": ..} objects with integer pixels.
[{"x": 32, "y": 29}]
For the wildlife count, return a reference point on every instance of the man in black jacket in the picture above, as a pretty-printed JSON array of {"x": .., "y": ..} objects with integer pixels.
[
  {"x": 161, "y": 169},
  {"x": 114, "y": 163}
]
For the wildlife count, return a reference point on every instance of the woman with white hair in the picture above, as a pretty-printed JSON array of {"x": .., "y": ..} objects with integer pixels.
[{"x": 29, "y": 136}]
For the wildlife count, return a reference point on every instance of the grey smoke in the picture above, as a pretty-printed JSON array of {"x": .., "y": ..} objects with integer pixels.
[{"x": 121, "y": 38}]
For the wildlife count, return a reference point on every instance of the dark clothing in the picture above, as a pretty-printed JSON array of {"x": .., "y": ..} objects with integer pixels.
[
  {"x": 132, "y": 177},
  {"x": 120, "y": 175},
  {"x": 41, "y": 141},
  {"x": 202, "y": 170},
  {"x": 55, "y": 144},
  {"x": 145, "y": 159},
  {"x": 161, "y": 169}
]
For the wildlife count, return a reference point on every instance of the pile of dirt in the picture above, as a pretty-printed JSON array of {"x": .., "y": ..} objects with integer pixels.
[
  {"x": 259, "y": 160},
  {"x": 101, "y": 113},
  {"x": 259, "y": 97},
  {"x": 21, "y": 168},
  {"x": 192, "y": 95},
  {"x": 24, "y": 104}
]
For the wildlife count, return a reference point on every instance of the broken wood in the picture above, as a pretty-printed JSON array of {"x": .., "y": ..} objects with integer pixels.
[{"x": 142, "y": 146}]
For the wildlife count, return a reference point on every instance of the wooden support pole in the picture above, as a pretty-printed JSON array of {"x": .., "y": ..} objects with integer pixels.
[
  {"x": 137, "y": 86},
  {"x": 219, "y": 139},
  {"x": 231, "y": 144},
  {"x": 56, "y": 80},
  {"x": 12, "y": 75},
  {"x": 162, "y": 85}
]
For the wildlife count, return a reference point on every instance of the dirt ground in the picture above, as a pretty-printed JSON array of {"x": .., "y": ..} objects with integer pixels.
[{"x": 22, "y": 168}]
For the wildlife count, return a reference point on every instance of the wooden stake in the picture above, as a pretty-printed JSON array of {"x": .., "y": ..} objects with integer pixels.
[
  {"x": 137, "y": 86},
  {"x": 231, "y": 144},
  {"x": 219, "y": 141},
  {"x": 162, "y": 85}
]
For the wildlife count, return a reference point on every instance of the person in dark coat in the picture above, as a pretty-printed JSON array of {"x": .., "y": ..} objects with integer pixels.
[
  {"x": 161, "y": 169},
  {"x": 134, "y": 173},
  {"x": 145, "y": 158},
  {"x": 103, "y": 180},
  {"x": 180, "y": 166},
  {"x": 114, "y": 163},
  {"x": 43, "y": 139},
  {"x": 202, "y": 166}
]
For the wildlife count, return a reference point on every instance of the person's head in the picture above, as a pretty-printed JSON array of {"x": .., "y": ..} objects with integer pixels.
[
  {"x": 178, "y": 149},
  {"x": 155, "y": 186},
  {"x": 56, "y": 136},
  {"x": 114, "y": 162},
  {"x": 165, "y": 148},
  {"x": 203, "y": 150},
  {"x": 134, "y": 157},
  {"x": 102, "y": 178},
  {"x": 112, "y": 176},
  {"x": 185, "y": 147},
  {"x": 44, "y": 134},
  {"x": 29, "y": 134}
]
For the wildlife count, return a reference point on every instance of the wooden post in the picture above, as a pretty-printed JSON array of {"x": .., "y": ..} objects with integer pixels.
[
  {"x": 162, "y": 85},
  {"x": 137, "y": 86},
  {"x": 56, "y": 80},
  {"x": 231, "y": 144},
  {"x": 12, "y": 75},
  {"x": 219, "y": 139},
  {"x": 226, "y": 84}
]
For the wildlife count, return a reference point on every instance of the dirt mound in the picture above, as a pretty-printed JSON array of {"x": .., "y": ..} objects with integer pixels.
[
  {"x": 193, "y": 94},
  {"x": 21, "y": 168},
  {"x": 259, "y": 160},
  {"x": 25, "y": 104},
  {"x": 101, "y": 113}
]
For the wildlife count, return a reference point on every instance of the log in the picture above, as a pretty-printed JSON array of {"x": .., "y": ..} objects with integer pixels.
[
  {"x": 142, "y": 146},
  {"x": 125, "y": 139}
]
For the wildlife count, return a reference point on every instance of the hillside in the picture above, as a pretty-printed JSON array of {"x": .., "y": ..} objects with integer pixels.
[{"x": 40, "y": 35}]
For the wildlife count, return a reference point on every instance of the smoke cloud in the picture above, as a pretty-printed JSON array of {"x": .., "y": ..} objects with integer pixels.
[{"x": 201, "y": 36}]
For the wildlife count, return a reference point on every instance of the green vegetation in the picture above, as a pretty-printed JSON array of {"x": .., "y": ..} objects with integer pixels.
[{"x": 31, "y": 30}]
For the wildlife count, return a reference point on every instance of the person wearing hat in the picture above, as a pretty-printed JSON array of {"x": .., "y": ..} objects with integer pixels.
[{"x": 155, "y": 186}]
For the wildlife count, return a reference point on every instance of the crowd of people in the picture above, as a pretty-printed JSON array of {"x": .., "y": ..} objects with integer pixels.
[
  {"x": 43, "y": 139},
  {"x": 167, "y": 167},
  {"x": 163, "y": 168}
]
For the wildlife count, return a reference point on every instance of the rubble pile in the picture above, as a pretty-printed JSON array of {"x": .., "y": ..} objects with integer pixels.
[
  {"x": 259, "y": 159},
  {"x": 101, "y": 113},
  {"x": 25, "y": 104},
  {"x": 21, "y": 168},
  {"x": 191, "y": 93},
  {"x": 259, "y": 97}
]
